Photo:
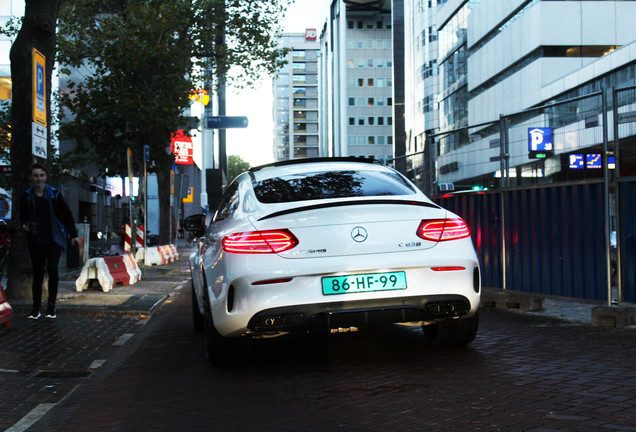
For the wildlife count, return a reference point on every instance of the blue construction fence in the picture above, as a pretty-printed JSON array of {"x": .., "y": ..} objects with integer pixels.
[{"x": 553, "y": 238}]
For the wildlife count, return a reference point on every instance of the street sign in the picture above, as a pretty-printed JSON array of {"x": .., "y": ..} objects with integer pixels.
[
  {"x": 190, "y": 197},
  {"x": 38, "y": 140},
  {"x": 39, "y": 88},
  {"x": 540, "y": 142},
  {"x": 226, "y": 122}
]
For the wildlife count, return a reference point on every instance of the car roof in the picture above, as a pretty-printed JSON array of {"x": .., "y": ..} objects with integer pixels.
[{"x": 297, "y": 166}]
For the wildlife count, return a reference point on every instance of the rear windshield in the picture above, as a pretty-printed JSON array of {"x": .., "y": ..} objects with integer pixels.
[{"x": 330, "y": 184}]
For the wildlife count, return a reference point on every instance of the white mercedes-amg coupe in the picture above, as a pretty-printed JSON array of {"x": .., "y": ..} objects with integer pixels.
[{"x": 334, "y": 243}]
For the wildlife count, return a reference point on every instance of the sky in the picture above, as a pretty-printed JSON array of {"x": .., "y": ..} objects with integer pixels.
[{"x": 254, "y": 143}]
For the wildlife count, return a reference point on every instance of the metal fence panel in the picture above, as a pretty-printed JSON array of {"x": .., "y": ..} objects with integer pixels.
[
  {"x": 628, "y": 240},
  {"x": 554, "y": 238}
]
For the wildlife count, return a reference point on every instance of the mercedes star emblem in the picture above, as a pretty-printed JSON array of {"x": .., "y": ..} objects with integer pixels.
[{"x": 359, "y": 234}]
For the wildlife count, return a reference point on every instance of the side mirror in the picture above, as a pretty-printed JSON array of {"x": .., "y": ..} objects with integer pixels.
[{"x": 195, "y": 224}]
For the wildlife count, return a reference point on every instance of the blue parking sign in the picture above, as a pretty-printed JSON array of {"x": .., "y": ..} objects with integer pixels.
[{"x": 540, "y": 142}]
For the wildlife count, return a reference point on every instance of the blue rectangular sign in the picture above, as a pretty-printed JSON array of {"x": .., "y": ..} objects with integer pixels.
[
  {"x": 576, "y": 161},
  {"x": 593, "y": 161},
  {"x": 540, "y": 139},
  {"x": 226, "y": 122}
]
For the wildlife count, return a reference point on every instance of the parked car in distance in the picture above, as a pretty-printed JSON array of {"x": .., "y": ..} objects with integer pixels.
[{"x": 333, "y": 243}]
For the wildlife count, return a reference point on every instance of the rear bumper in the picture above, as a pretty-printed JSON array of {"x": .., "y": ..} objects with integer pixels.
[{"x": 360, "y": 313}]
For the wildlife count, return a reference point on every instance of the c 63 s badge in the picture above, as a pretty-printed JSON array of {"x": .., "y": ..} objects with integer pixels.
[{"x": 410, "y": 244}]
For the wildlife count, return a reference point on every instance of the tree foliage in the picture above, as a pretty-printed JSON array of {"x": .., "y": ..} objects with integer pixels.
[
  {"x": 130, "y": 65},
  {"x": 236, "y": 165}
]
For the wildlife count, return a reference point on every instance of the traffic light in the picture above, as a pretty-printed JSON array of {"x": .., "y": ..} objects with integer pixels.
[{"x": 5, "y": 169}]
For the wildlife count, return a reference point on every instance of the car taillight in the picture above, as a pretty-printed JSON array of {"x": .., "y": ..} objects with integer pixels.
[
  {"x": 273, "y": 241},
  {"x": 443, "y": 229}
]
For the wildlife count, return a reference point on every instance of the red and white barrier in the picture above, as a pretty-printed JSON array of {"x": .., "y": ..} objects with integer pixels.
[
  {"x": 160, "y": 255},
  {"x": 6, "y": 312},
  {"x": 109, "y": 271},
  {"x": 139, "y": 238}
]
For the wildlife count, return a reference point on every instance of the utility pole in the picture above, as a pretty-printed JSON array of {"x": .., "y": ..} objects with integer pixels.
[{"x": 220, "y": 42}]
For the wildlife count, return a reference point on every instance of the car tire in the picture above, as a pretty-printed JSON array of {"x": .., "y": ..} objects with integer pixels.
[
  {"x": 198, "y": 320},
  {"x": 224, "y": 351},
  {"x": 452, "y": 333}
]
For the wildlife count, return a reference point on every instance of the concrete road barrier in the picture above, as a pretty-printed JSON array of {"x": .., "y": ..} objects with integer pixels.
[{"x": 109, "y": 271}]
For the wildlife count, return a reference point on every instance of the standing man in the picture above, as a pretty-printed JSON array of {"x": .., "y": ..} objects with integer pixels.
[{"x": 47, "y": 220}]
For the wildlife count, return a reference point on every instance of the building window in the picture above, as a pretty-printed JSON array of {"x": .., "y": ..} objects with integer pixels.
[
  {"x": 378, "y": 24},
  {"x": 350, "y": 63},
  {"x": 351, "y": 140},
  {"x": 379, "y": 101},
  {"x": 299, "y": 78},
  {"x": 389, "y": 101},
  {"x": 352, "y": 102},
  {"x": 379, "y": 82},
  {"x": 370, "y": 102},
  {"x": 389, "y": 140},
  {"x": 432, "y": 34},
  {"x": 362, "y": 140},
  {"x": 352, "y": 121},
  {"x": 360, "y": 121},
  {"x": 298, "y": 66},
  {"x": 350, "y": 24},
  {"x": 360, "y": 101},
  {"x": 381, "y": 140},
  {"x": 371, "y": 121},
  {"x": 298, "y": 55},
  {"x": 380, "y": 121},
  {"x": 370, "y": 63},
  {"x": 370, "y": 82},
  {"x": 389, "y": 120},
  {"x": 360, "y": 24},
  {"x": 360, "y": 82},
  {"x": 371, "y": 140}
]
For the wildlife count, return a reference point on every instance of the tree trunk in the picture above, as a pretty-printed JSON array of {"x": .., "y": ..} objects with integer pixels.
[{"x": 38, "y": 31}]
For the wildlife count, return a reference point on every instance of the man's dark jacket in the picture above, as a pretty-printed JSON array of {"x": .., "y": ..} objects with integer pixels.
[{"x": 62, "y": 221}]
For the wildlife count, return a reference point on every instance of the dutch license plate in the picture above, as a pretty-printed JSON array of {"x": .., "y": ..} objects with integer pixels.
[{"x": 364, "y": 283}]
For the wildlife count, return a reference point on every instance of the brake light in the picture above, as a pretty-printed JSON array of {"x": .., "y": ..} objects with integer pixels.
[
  {"x": 443, "y": 229},
  {"x": 273, "y": 241}
]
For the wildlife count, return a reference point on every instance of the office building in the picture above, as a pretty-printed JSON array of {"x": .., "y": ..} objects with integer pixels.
[
  {"x": 296, "y": 99},
  {"x": 500, "y": 57},
  {"x": 356, "y": 49}
]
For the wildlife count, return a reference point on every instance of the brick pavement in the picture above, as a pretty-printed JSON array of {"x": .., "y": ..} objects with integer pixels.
[
  {"x": 524, "y": 372},
  {"x": 42, "y": 361}
]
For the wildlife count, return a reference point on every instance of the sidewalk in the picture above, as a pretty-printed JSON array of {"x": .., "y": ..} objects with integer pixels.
[
  {"x": 567, "y": 309},
  {"x": 141, "y": 298}
]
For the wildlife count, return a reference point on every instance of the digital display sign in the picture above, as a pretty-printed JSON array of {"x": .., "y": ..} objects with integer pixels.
[{"x": 576, "y": 161}]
